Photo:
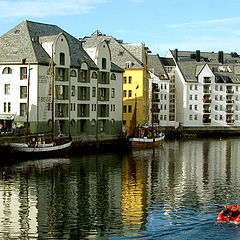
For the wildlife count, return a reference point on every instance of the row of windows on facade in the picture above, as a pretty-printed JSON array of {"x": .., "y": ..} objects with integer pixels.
[
  {"x": 216, "y": 117},
  {"x": 216, "y": 97},
  {"x": 161, "y": 118},
  {"x": 62, "y": 74},
  {"x": 217, "y": 87},
  {"x": 130, "y": 108},
  {"x": 60, "y": 90},
  {"x": 216, "y": 107}
]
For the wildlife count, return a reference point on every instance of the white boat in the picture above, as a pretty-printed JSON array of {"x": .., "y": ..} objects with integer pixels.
[{"x": 40, "y": 144}]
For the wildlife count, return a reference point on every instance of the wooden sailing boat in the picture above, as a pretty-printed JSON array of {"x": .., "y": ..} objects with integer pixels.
[
  {"x": 39, "y": 143},
  {"x": 143, "y": 136}
]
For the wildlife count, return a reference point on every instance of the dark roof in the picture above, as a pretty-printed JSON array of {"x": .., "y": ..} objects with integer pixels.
[
  {"x": 120, "y": 52},
  {"x": 23, "y": 42},
  {"x": 192, "y": 62},
  {"x": 156, "y": 67}
]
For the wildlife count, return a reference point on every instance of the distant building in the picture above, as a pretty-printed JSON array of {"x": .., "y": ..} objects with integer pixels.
[
  {"x": 162, "y": 91},
  {"x": 207, "y": 88},
  {"x": 133, "y": 58},
  {"x": 26, "y": 53}
]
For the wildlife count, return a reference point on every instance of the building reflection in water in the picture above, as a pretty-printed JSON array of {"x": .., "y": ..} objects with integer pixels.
[{"x": 112, "y": 194}]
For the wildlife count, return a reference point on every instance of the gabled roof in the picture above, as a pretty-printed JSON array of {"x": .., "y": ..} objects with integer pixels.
[
  {"x": 156, "y": 67},
  {"x": 120, "y": 52},
  {"x": 190, "y": 66},
  {"x": 24, "y": 41}
]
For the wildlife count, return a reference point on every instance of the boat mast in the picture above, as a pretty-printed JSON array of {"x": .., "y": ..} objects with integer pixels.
[
  {"x": 152, "y": 107},
  {"x": 28, "y": 90},
  {"x": 52, "y": 78}
]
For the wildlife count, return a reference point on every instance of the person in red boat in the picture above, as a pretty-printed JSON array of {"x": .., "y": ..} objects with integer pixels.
[{"x": 230, "y": 214}]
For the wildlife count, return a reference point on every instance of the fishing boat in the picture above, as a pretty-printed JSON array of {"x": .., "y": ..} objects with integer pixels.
[
  {"x": 229, "y": 214},
  {"x": 144, "y": 136},
  {"x": 37, "y": 144}
]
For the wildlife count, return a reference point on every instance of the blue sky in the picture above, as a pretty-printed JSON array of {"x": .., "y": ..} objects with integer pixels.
[{"x": 207, "y": 25}]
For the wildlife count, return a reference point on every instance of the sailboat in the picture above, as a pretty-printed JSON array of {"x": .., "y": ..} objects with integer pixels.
[
  {"x": 40, "y": 144},
  {"x": 143, "y": 136}
]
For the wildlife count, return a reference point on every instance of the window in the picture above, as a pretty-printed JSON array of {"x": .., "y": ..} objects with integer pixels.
[
  {"x": 190, "y": 87},
  {"x": 216, "y": 97},
  {"x": 73, "y": 106},
  {"x": 216, "y": 117},
  {"x": 113, "y": 76},
  {"x": 190, "y": 107},
  {"x": 94, "y": 75},
  {"x": 7, "y": 89},
  {"x": 61, "y": 74},
  {"x": 113, "y": 93},
  {"x": 124, "y": 122},
  {"x": 129, "y": 93},
  {"x": 73, "y": 91},
  {"x": 4, "y": 106},
  {"x": 125, "y": 80},
  {"x": 124, "y": 93},
  {"x": 216, "y": 107},
  {"x": 104, "y": 63},
  {"x": 196, "y": 87},
  {"x": 216, "y": 88},
  {"x": 196, "y": 107},
  {"x": 23, "y": 73},
  {"x": 195, "y": 117},
  {"x": 62, "y": 59},
  {"x": 7, "y": 70},
  {"x": 196, "y": 97},
  {"x": 94, "y": 92},
  {"x": 190, "y": 97},
  {"x": 23, "y": 109},
  {"x": 23, "y": 92},
  {"x": 190, "y": 117},
  {"x": 221, "y": 97},
  {"x": 221, "y": 88},
  {"x": 129, "y": 108},
  {"x": 130, "y": 79},
  {"x": 220, "y": 117},
  {"x": 124, "y": 108},
  {"x": 73, "y": 73},
  {"x": 84, "y": 75}
]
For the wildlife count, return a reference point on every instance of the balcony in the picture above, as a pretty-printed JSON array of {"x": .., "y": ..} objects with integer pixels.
[
  {"x": 206, "y": 111},
  {"x": 207, "y": 100},
  {"x": 229, "y": 121},
  {"x": 228, "y": 91},
  {"x": 229, "y": 111},
  {"x": 206, "y": 80},
  {"x": 156, "y": 110},
  {"x": 206, "y": 120},
  {"x": 206, "y": 91},
  {"x": 229, "y": 101}
]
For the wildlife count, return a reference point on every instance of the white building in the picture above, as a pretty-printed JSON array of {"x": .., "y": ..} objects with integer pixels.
[
  {"x": 161, "y": 91},
  {"x": 26, "y": 57},
  {"x": 207, "y": 88}
]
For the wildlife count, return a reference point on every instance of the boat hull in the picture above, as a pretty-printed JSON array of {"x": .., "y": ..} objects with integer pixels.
[
  {"x": 146, "y": 142},
  {"x": 58, "y": 148}
]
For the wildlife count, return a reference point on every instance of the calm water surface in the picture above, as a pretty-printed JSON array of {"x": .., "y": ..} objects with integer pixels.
[{"x": 173, "y": 192}]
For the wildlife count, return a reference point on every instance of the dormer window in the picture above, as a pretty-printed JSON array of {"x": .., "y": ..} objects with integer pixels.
[
  {"x": 129, "y": 64},
  {"x": 62, "y": 59}
]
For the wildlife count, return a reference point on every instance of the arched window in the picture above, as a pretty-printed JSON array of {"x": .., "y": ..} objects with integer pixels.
[
  {"x": 62, "y": 59},
  {"x": 104, "y": 63},
  {"x": 73, "y": 73},
  {"x": 113, "y": 76},
  {"x": 7, "y": 70},
  {"x": 94, "y": 75}
]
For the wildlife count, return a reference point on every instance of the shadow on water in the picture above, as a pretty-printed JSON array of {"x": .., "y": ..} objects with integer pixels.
[{"x": 172, "y": 192}]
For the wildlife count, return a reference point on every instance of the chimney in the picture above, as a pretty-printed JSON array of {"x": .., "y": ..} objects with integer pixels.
[
  {"x": 220, "y": 57},
  {"x": 198, "y": 57},
  {"x": 175, "y": 54}
]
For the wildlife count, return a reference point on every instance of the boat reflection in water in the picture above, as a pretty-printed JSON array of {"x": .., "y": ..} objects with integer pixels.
[{"x": 170, "y": 192}]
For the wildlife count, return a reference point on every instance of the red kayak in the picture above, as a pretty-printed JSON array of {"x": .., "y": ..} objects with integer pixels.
[{"x": 230, "y": 214}]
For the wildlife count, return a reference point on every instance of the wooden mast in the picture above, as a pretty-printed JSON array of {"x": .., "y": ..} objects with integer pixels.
[
  {"x": 52, "y": 78},
  {"x": 28, "y": 90}
]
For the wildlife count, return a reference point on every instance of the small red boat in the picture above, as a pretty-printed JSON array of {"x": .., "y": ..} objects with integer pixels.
[{"x": 230, "y": 214}]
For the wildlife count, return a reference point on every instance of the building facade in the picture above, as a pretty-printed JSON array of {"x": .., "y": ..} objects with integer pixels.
[
  {"x": 208, "y": 87},
  {"x": 34, "y": 53},
  {"x": 133, "y": 58}
]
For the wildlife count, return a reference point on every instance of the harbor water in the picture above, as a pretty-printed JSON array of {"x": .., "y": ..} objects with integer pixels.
[{"x": 172, "y": 192}]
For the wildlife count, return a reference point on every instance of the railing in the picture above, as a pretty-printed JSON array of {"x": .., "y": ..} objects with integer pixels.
[
  {"x": 206, "y": 120},
  {"x": 207, "y": 100}
]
